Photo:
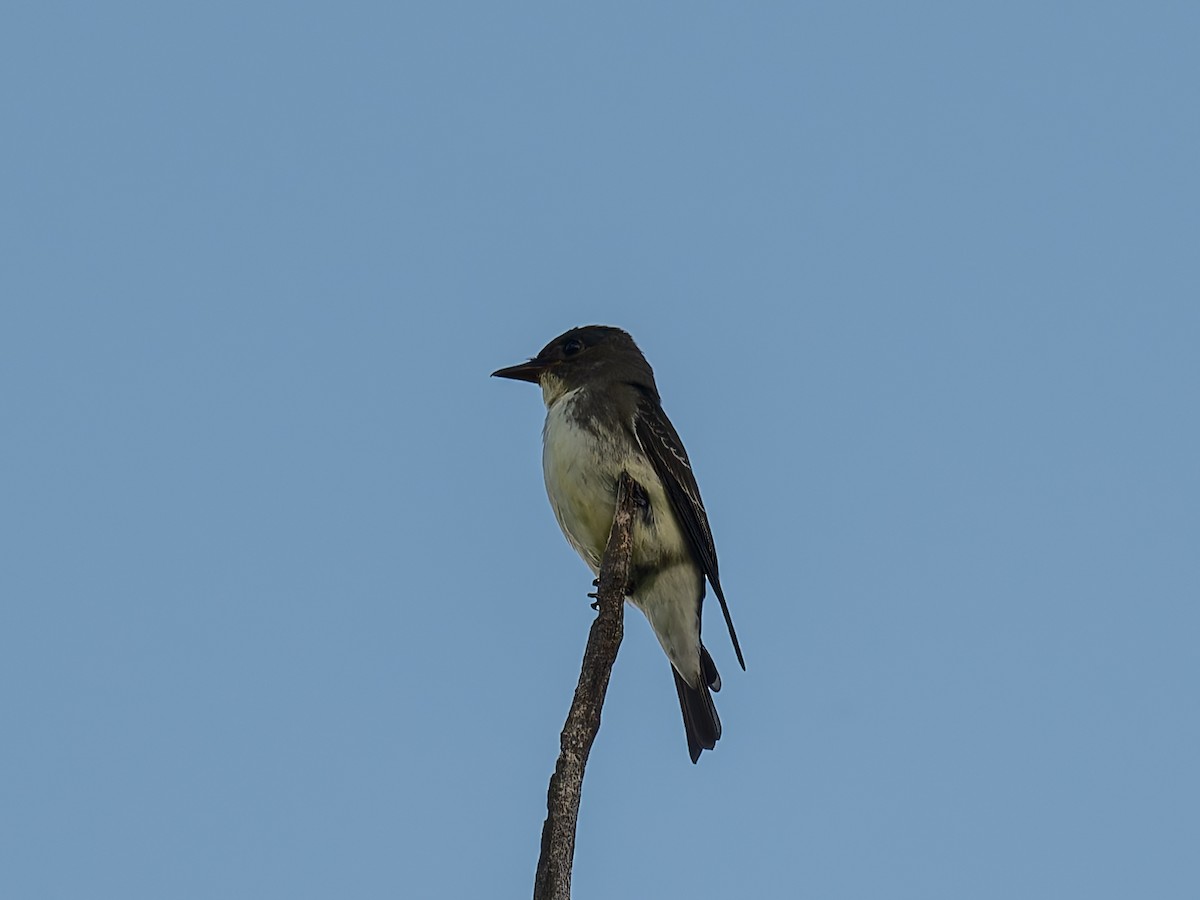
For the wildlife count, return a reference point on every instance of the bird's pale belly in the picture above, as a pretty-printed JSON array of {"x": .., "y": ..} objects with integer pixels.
[{"x": 581, "y": 476}]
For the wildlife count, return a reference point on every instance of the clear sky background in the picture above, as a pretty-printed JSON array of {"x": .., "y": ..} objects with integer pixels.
[{"x": 284, "y": 611}]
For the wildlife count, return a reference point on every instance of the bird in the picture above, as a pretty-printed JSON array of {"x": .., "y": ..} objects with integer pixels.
[{"x": 604, "y": 415}]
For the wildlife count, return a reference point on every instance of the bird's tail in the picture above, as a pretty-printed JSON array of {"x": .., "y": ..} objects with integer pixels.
[{"x": 700, "y": 719}]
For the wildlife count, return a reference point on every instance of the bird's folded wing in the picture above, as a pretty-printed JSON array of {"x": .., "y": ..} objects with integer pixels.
[{"x": 661, "y": 444}]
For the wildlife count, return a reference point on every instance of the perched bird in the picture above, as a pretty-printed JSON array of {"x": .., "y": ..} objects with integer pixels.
[{"x": 603, "y": 416}]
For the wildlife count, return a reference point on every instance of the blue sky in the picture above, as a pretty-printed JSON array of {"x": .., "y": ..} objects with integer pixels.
[{"x": 283, "y": 608}]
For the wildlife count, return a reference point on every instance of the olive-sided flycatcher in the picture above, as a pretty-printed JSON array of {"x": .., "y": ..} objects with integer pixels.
[{"x": 603, "y": 416}]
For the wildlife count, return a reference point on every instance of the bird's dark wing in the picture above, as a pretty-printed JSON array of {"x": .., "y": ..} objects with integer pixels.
[{"x": 662, "y": 445}]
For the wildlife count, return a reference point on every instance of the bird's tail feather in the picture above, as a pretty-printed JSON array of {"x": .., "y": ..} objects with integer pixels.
[
  {"x": 708, "y": 670},
  {"x": 700, "y": 719}
]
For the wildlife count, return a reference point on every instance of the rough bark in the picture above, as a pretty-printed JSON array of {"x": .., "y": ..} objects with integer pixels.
[{"x": 553, "y": 880}]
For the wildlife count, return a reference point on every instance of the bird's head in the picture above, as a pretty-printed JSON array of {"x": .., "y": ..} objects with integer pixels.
[{"x": 581, "y": 356}]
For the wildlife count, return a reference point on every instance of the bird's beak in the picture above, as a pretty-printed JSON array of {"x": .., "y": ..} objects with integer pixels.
[{"x": 526, "y": 371}]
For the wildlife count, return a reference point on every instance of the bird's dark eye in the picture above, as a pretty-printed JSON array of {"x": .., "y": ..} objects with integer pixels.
[{"x": 573, "y": 346}]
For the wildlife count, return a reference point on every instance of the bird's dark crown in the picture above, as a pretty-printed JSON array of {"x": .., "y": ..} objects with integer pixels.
[{"x": 592, "y": 351}]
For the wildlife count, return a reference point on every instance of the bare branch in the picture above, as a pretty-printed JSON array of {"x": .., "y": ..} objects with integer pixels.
[{"x": 553, "y": 880}]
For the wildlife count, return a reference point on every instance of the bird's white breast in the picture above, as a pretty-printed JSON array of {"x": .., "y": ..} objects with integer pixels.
[
  {"x": 581, "y": 471},
  {"x": 578, "y": 482}
]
